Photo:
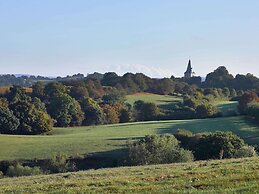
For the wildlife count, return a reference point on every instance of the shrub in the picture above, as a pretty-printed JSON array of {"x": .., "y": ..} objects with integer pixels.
[
  {"x": 184, "y": 136},
  {"x": 204, "y": 110},
  {"x": 218, "y": 145},
  {"x": 245, "y": 151},
  {"x": 19, "y": 170},
  {"x": 154, "y": 149},
  {"x": 59, "y": 164}
]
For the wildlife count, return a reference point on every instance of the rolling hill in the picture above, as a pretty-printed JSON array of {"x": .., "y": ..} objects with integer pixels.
[{"x": 112, "y": 138}]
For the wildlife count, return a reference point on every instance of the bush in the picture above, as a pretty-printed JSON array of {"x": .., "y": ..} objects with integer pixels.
[
  {"x": 245, "y": 151},
  {"x": 59, "y": 164},
  {"x": 184, "y": 136},
  {"x": 19, "y": 170},
  {"x": 154, "y": 149},
  {"x": 206, "y": 110},
  {"x": 218, "y": 145}
]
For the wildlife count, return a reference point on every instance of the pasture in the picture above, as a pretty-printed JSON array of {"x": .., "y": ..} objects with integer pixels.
[
  {"x": 215, "y": 176},
  {"x": 163, "y": 101},
  {"x": 227, "y": 108},
  {"x": 112, "y": 138}
]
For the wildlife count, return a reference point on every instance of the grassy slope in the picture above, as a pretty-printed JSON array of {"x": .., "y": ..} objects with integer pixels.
[
  {"x": 164, "y": 101},
  {"x": 107, "y": 138},
  {"x": 227, "y": 107},
  {"x": 218, "y": 176}
]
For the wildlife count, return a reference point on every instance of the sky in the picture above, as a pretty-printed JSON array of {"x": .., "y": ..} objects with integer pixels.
[{"x": 155, "y": 37}]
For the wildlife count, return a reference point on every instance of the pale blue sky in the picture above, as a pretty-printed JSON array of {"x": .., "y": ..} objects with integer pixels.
[{"x": 156, "y": 37}]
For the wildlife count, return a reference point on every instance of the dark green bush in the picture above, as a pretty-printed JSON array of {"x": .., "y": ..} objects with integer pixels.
[
  {"x": 217, "y": 146},
  {"x": 184, "y": 136}
]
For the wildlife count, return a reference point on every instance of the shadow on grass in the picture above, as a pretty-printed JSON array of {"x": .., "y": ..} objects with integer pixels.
[
  {"x": 245, "y": 128},
  {"x": 228, "y": 109},
  {"x": 141, "y": 123},
  {"x": 106, "y": 159},
  {"x": 125, "y": 139}
]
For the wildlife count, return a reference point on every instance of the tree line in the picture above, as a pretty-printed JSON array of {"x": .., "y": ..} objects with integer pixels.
[{"x": 219, "y": 78}]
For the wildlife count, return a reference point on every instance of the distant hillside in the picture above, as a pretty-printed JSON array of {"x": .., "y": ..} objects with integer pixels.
[{"x": 216, "y": 176}]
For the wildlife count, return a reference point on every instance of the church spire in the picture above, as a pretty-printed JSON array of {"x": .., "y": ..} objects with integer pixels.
[{"x": 188, "y": 73}]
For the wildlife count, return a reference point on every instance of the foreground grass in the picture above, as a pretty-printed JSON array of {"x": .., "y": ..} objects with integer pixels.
[
  {"x": 219, "y": 176},
  {"x": 108, "y": 139}
]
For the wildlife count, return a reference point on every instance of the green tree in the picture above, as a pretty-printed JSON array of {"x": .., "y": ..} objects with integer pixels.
[
  {"x": 17, "y": 93},
  {"x": 54, "y": 89},
  {"x": 220, "y": 78},
  {"x": 113, "y": 98},
  {"x": 79, "y": 92},
  {"x": 32, "y": 121},
  {"x": 39, "y": 104},
  {"x": 125, "y": 115},
  {"x": 8, "y": 122},
  {"x": 38, "y": 90},
  {"x": 146, "y": 111},
  {"x": 93, "y": 112},
  {"x": 65, "y": 110},
  {"x": 110, "y": 79}
]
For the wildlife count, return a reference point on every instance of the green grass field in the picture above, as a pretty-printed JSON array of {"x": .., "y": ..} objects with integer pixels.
[
  {"x": 163, "y": 101},
  {"x": 109, "y": 138},
  {"x": 215, "y": 176},
  {"x": 227, "y": 107}
]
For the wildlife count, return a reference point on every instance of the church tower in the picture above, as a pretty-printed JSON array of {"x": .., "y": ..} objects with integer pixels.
[{"x": 188, "y": 73}]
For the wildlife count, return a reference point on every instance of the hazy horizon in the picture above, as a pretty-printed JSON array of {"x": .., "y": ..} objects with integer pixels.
[{"x": 157, "y": 38}]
